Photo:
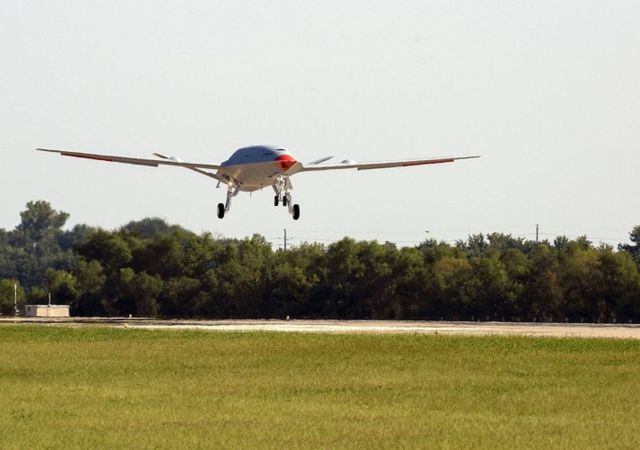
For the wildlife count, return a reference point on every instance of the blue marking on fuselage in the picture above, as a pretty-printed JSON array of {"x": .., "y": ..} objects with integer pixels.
[{"x": 254, "y": 154}]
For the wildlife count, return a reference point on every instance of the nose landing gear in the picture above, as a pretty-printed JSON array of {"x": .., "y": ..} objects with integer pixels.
[{"x": 224, "y": 208}]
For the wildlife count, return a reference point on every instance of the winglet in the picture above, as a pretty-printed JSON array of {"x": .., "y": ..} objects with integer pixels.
[
  {"x": 170, "y": 158},
  {"x": 321, "y": 160}
]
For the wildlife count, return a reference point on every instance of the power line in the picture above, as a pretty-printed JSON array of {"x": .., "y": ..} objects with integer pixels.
[{"x": 399, "y": 237}]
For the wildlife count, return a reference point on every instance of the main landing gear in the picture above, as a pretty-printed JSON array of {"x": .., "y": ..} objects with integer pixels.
[
  {"x": 282, "y": 186},
  {"x": 224, "y": 208},
  {"x": 294, "y": 210}
]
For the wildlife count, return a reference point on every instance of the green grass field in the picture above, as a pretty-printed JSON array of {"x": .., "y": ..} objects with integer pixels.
[{"x": 105, "y": 388}]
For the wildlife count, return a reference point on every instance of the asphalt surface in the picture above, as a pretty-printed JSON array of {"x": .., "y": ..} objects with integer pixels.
[{"x": 616, "y": 331}]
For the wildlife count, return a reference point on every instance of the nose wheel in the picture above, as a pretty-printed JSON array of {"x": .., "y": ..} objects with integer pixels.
[{"x": 224, "y": 208}]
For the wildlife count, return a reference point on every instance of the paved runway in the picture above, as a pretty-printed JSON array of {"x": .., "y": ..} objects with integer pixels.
[{"x": 356, "y": 326}]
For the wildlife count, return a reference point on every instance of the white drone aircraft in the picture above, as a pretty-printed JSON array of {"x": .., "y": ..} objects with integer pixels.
[{"x": 253, "y": 168}]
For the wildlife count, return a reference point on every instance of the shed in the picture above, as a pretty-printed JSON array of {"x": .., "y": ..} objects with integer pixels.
[{"x": 46, "y": 311}]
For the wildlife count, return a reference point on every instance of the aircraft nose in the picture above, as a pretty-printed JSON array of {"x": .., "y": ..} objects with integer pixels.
[{"x": 285, "y": 161}]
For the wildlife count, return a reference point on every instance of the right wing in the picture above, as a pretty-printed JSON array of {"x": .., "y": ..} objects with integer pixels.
[
  {"x": 383, "y": 164},
  {"x": 128, "y": 160}
]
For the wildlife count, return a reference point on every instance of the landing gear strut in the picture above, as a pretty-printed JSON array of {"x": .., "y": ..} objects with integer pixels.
[
  {"x": 224, "y": 208},
  {"x": 282, "y": 186}
]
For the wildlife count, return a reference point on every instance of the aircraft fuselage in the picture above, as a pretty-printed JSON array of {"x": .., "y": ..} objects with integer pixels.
[{"x": 253, "y": 168}]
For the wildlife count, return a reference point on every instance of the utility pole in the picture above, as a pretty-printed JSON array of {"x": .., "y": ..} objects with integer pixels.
[
  {"x": 15, "y": 298},
  {"x": 537, "y": 233},
  {"x": 285, "y": 238}
]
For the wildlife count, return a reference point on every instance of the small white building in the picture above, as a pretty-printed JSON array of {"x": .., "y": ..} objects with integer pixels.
[{"x": 46, "y": 310}]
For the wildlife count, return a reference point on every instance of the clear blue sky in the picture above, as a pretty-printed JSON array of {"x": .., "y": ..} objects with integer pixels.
[{"x": 548, "y": 92}]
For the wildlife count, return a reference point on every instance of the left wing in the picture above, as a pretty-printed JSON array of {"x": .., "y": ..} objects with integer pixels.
[
  {"x": 136, "y": 161},
  {"x": 383, "y": 164}
]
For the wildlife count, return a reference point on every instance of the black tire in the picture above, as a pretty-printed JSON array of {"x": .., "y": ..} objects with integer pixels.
[
  {"x": 296, "y": 212},
  {"x": 276, "y": 200},
  {"x": 220, "y": 211},
  {"x": 284, "y": 201}
]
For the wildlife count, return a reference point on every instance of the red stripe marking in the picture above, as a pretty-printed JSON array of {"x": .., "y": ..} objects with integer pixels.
[
  {"x": 437, "y": 161},
  {"x": 97, "y": 158},
  {"x": 285, "y": 161}
]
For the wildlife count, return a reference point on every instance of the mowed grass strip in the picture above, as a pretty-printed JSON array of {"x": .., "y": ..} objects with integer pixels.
[{"x": 107, "y": 388}]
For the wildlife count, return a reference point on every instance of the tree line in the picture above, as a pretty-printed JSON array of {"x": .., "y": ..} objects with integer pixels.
[{"x": 152, "y": 269}]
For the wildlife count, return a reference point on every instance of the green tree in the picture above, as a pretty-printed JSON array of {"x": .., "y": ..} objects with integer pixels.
[
  {"x": 449, "y": 277},
  {"x": 377, "y": 285},
  {"x": 37, "y": 296},
  {"x": 33, "y": 247},
  {"x": 476, "y": 245},
  {"x": 62, "y": 286},
  {"x": 145, "y": 290},
  {"x": 293, "y": 278},
  {"x": 151, "y": 228},
  {"x": 289, "y": 290},
  {"x": 503, "y": 242},
  {"x": 14, "y": 261},
  {"x": 40, "y": 227},
  {"x": 160, "y": 256},
  {"x": 118, "y": 291},
  {"x": 179, "y": 297},
  {"x": 409, "y": 287},
  {"x": 581, "y": 279},
  {"x": 634, "y": 248},
  {"x": 620, "y": 288},
  {"x": 487, "y": 292},
  {"x": 111, "y": 250},
  {"x": 344, "y": 270},
  {"x": 241, "y": 279},
  {"x": 561, "y": 242},
  {"x": 67, "y": 240},
  {"x": 543, "y": 298},
  {"x": 517, "y": 266},
  {"x": 134, "y": 293},
  {"x": 91, "y": 299}
]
